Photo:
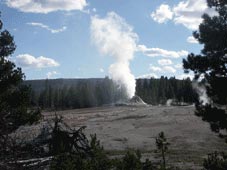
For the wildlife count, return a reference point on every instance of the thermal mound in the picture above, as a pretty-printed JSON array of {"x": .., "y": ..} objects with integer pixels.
[{"x": 134, "y": 101}]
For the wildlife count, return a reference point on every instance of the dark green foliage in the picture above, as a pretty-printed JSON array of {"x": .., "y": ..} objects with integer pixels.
[
  {"x": 212, "y": 63},
  {"x": 100, "y": 161},
  {"x": 77, "y": 93},
  {"x": 66, "y": 161},
  {"x": 14, "y": 97},
  {"x": 215, "y": 161},
  {"x": 80, "y": 93},
  {"x": 212, "y": 34},
  {"x": 72, "y": 161},
  {"x": 68, "y": 140},
  {"x": 99, "y": 158},
  {"x": 14, "y": 101},
  {"x": 158, "y": 91},
  {"x": 216, "y": 3},
  {"x": 72, "y": 150},
  {"x": 148, "y": 165},
  {"x": 162, "y": 146},
  {"x": 215, "y": 116},
  {"x": 131, "y": 161}
]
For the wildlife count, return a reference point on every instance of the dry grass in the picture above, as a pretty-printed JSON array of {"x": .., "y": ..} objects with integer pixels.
[{"x": 121, "y": 128}]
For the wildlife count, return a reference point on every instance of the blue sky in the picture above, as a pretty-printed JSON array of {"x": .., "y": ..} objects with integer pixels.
[{"x": 64, "y": 38}]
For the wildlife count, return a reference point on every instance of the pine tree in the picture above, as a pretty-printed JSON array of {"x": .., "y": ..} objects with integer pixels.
[
  {"x": 14, "y": 97},
  {"x": 212, "y": 63}
]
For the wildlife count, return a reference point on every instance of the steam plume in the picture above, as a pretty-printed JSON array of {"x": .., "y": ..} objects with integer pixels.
[
  {"x": 115, "y": 38},
  {"x": 202, "y": 92}
]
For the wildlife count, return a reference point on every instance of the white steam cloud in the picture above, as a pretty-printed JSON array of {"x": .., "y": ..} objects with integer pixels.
[
  {"x": 202, "y": 92},
  {"x": 115, "y": 38}
]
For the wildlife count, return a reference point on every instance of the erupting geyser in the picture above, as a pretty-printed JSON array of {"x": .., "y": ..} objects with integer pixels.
[{"x": 115, "y": 38}]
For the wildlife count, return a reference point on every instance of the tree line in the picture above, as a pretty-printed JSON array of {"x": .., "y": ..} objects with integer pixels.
[
  {"x": 159, "y": 91},
  {"x": 84, "y": 93},
  {"x": 80, "y": 93}
]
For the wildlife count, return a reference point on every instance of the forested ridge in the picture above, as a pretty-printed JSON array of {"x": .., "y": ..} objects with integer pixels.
[{"x": 80, "y": 93}]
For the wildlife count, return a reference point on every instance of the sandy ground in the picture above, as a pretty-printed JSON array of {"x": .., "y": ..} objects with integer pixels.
[{"x": 125, "y": 127}]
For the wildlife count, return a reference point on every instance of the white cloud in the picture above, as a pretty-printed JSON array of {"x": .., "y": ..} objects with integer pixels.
[
  {"x": 187, "y": 12},
  {"x": 46, "y": 6},
  {"x": 164, "y": 62},
  {"x": 169, "y": 69},
  {"x": 191, "y": 39},
  {"x": 147, "y": 76},
  {"x": 185, "y": 76},
  {"x": 51, "y": 74},
  {"x": 178, "y": 66},
  {"x": 101, "y": 70},
  {"x": 41, "y": 25},
  {"x": 29, "y": 61},
  {"x": 164, "y": 69},
  {"x": 162, "y": 14},
  {"x": 155, "y": 68},
  {"x": 156, "y": 52}
]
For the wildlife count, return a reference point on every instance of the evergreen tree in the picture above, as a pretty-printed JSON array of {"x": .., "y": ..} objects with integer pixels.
[
  {"x": 162, "y": 146},
  {"x": 56, "y": 98},
  {"x": 212, "y": 63},
  {"x": 14, "y": 98}
]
